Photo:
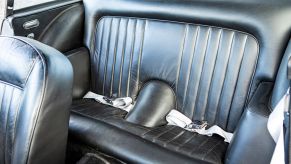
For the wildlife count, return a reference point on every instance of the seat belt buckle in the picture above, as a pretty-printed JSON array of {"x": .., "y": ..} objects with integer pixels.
[
  {"x": 197, "y": 124},
  {"x": 108, "y": 100}
]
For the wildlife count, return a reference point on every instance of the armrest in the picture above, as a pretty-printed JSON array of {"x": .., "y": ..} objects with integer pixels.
[{"x": 153, "y": 103}]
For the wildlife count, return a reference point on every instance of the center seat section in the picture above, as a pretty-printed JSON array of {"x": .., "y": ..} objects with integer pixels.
[{"x": 212, "y": 61}]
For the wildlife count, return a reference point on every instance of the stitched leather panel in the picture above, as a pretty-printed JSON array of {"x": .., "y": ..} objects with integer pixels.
[
  {"x": 117, "y": 55},
  {"x": 10, "y": 97},
  {"x": 210, "y": 68},
  {"x": 110, "y": 115},
  {"x": 215, "y": 72},
  {"x": 211, "y": 149},
  {"x": 94, "y": 109}
]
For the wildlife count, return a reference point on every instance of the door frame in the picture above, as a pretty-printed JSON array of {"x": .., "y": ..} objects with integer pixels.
[
  {"x": 3, "y": 5},
  {"x": 10, "y": 13}
]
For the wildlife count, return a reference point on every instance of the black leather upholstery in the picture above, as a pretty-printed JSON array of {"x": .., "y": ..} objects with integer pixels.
[
  {"x": 203, "y": 64},
  {"x": 34, "y": 102},
  {"x": 90, "y": 108},
  {"x": 252, "y": 136},
  {"x": 134, "y": 149},
  {"x": 65, "y": 31},
  {"x": 252, "y": 141},
  {"x": 210, "y": 149},
  {"x": 161, "y": 99},
  {"x": 79, "y": 59},
  {"x": 265, "y": 19},
  {"x": 216, "y": 56},
  {"x": 60, "y": 24}
]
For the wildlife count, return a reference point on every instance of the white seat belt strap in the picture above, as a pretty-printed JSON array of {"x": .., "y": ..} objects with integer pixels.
[
  {"x": 215, "y": 130},
  {"x": 124, "y": 103},
  {"x": 275, "y": 128},
  {"x": 178, "y": 119}
]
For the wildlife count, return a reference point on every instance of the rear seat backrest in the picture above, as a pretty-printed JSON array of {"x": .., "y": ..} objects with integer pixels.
[
  {"x": 214, "y": 70},
  {"x": 210, "y": 68}
]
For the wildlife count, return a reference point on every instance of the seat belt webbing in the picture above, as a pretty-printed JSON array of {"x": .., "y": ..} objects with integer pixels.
[
  {"x": 275, "y": 128},
  {"x": 178, "y": 119},
  {"x": 124, "y": 103}
]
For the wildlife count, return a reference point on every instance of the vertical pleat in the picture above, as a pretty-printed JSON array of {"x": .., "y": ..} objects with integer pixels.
[{"x": 9, "y": 106}]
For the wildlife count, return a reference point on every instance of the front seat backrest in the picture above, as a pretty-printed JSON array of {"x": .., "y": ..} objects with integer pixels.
[{"x": 35, "y": 94}]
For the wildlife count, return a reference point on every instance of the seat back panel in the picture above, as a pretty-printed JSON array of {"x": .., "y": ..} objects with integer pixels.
[
  {"x": 210, "y": 68},
  {"x": 35, "y": 93}
]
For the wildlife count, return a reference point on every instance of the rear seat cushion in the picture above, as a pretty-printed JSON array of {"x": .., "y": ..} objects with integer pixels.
[
  {"x": 128, "y": 137},
  {"x": 210, "y": 149}
]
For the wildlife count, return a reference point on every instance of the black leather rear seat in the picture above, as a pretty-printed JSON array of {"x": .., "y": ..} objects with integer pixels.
[
  {"x": 210, "y": 149},
  {"x": 214, "y": 69}
]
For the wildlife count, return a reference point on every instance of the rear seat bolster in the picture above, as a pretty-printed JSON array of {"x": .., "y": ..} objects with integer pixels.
[
  {"x": 252, "y": 142},
  {"x": 79, "y": 59},
  {"x": 122, "y": 144}
]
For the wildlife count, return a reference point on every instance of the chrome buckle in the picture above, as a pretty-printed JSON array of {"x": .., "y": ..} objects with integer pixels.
[{"x": 196, "y": 124}]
